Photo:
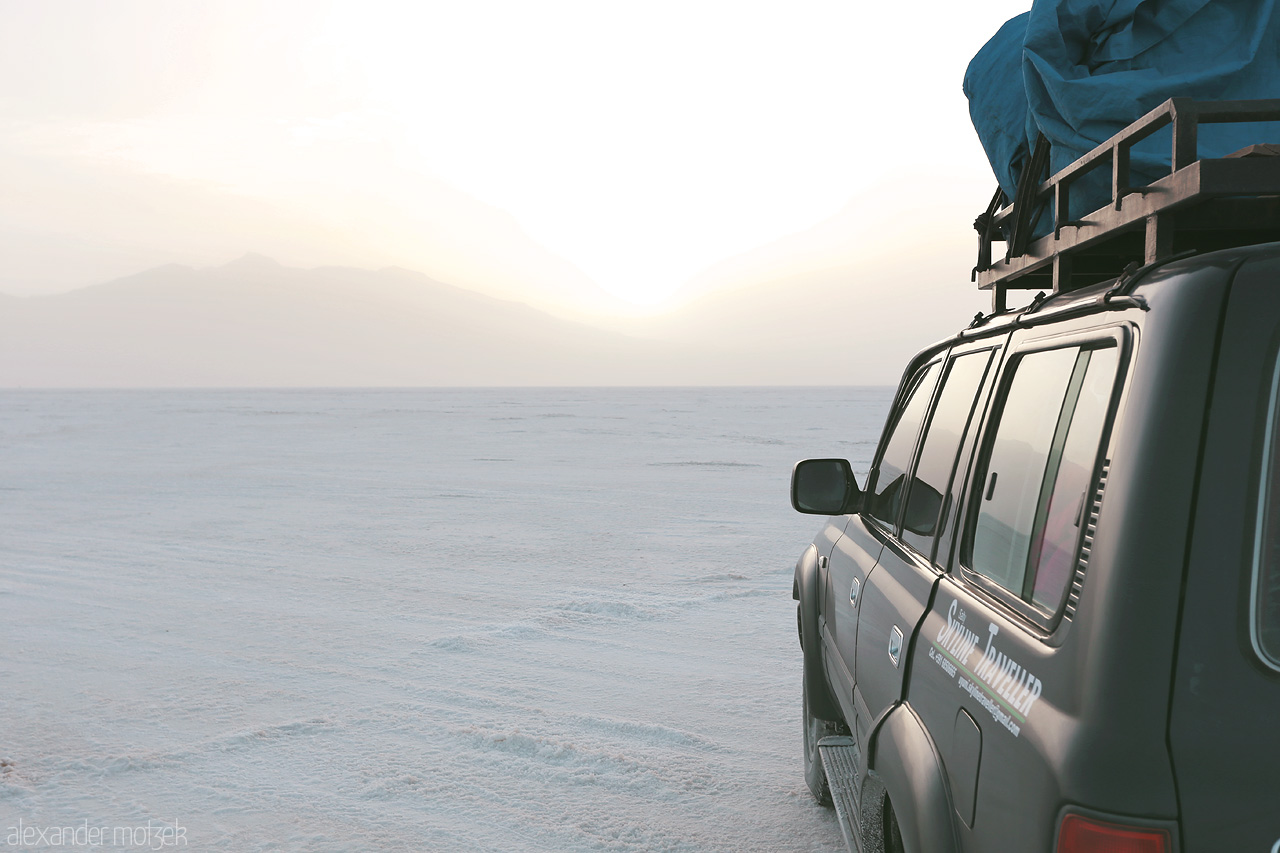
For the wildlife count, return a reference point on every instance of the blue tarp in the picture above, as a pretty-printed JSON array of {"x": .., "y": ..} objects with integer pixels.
[{"x": 1079, "y": 71}]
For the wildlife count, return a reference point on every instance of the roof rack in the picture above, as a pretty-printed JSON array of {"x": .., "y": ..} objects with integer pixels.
[{"x": 1200, "y": 205}]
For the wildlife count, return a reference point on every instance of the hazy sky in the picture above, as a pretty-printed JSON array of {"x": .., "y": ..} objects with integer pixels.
[{"x": 531, "y": 149}]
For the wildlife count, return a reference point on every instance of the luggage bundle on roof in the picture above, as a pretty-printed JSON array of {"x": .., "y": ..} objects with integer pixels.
[{"x": 1119, "y": 102}]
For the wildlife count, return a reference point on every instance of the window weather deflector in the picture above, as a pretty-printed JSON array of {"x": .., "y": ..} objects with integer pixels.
[{"x": 1201, "y": 205}]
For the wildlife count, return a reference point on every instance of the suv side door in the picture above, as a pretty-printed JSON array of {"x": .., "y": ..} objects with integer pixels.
[
  {"x": 985, "y": 665},
  {"x": 908, "y": 517},
  {"x": 856, "y": 553}
]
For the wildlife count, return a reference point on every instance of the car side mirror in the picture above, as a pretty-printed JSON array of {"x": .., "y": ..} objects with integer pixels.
[
  {"x": 824, "y": 487},
  {"x": 924, "y": 504}
]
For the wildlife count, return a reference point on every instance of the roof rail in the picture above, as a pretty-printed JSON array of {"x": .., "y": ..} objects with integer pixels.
[{"x": 1200, "y": 205}]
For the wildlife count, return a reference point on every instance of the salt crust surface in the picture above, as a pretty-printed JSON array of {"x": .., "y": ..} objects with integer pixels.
[{"x": 412, "y": 619}]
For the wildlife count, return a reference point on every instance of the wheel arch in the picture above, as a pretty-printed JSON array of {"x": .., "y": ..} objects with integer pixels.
[{"x": 906, "y": 764}]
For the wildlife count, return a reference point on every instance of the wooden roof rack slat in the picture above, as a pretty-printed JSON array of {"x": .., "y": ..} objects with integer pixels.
[{"x": 1200, "y": 204}]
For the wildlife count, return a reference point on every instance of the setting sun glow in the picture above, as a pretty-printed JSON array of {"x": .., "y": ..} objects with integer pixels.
[{"x": 592, "y": 155}]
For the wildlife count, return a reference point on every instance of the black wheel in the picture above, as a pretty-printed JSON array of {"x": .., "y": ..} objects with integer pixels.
[
  {"x": 815, "y": 730},
  {"x": 892, "y": 834}
]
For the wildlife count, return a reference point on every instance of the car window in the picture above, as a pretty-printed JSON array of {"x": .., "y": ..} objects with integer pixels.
[
  {"x": 1035, "y": 483},
  {"x": 1061, "y": 515},
  {"x": 946, "y": 429},
  {"x": 887, "y": 490},
  {"x": 1265, "y": 626}
]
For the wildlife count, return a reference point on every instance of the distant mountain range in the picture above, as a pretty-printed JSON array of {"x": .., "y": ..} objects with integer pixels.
[{"x": 255, "y": 323}]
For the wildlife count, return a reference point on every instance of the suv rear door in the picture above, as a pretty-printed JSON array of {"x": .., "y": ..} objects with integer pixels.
[
  {"x": 986, "y": 649},
  {"x": 1224, "y": 729}
]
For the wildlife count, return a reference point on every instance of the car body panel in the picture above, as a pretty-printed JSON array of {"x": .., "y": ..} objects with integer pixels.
[
  {"x": 1225, "y": 717},
  {"x": 1142, "y": 696},
  {"x": 852, "y": 560}
]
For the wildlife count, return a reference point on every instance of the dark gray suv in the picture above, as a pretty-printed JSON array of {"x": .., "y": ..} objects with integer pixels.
[{"x": 1049, "y": 620}]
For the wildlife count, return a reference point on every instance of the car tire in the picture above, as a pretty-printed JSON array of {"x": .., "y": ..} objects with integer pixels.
[
  {"x": 892, "y": 833},
  {"x": 815, "y": 730}
]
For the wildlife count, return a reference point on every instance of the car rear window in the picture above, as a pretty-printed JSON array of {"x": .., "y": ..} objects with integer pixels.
[
  {"x": 1266, "y": 570},
  {"x": 1038, "y": 471}
]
